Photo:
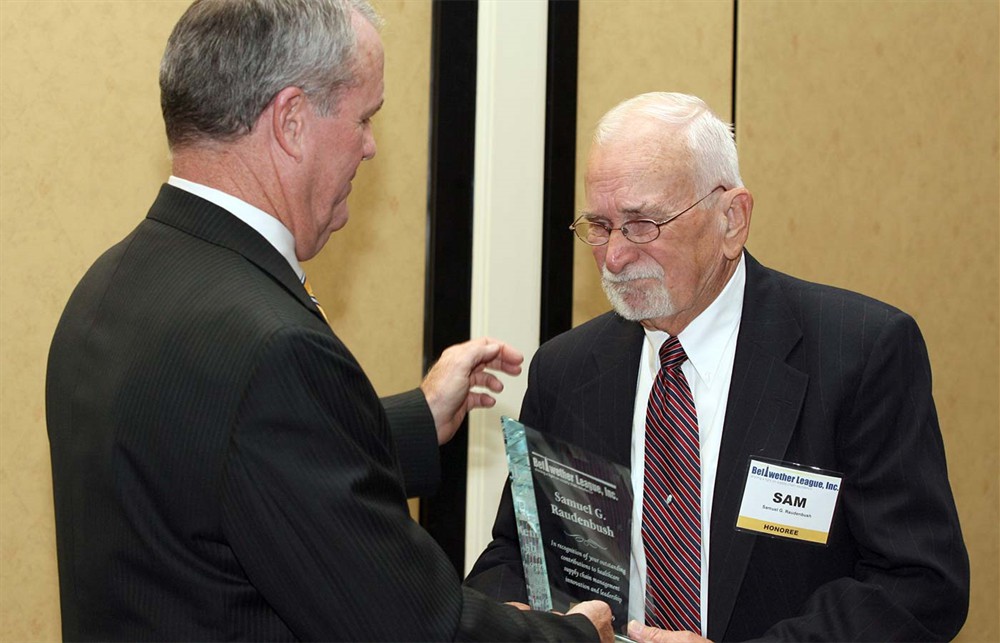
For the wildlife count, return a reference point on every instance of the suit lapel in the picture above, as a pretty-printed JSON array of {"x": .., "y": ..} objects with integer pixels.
[
  {"x": 196, "y": 216},
  {"x": 765, "y": 399},
  {"x": 607, "y": 398}
]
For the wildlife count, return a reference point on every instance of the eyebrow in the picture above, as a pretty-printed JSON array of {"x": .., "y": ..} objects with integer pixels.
[
  {"x": 376, "y": 110},
  {"x": 641, "y": 211}
]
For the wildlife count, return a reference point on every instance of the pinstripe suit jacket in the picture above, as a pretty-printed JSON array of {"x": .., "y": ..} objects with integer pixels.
[
  {"x": 822, "y": 377},
  {"x": 223, "y": 468}
]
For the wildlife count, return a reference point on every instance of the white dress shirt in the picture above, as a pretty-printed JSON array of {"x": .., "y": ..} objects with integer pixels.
[
  {"x": 266, "y": 225},
  {"x": 710, "y": 344}
]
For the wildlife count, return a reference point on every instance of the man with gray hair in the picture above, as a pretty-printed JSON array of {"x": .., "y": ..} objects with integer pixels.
[
  {"x": 788, "y": 469},
  {"x": 222, "y": 466}
]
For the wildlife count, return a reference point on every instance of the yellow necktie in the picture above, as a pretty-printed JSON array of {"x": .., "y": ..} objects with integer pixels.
[{"x": 309, "y": 291}]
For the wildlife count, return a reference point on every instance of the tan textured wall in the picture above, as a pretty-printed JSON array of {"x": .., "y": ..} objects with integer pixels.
[
  {"x": 629, "y": 47},
  {"x": 370, "y": 276},
  {"x": 81, "y": 158},
  {"x": 868, "y": 133}
]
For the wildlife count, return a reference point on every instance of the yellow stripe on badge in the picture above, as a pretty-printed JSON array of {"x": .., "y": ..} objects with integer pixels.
[{"x": 784, "y": 531}]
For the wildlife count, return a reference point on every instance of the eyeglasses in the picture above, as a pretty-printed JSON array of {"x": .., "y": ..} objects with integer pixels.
[{"x": 597, "y": 233}]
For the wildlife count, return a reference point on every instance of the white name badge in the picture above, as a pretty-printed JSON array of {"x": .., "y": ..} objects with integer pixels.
[{"x": 789, "y": 501}]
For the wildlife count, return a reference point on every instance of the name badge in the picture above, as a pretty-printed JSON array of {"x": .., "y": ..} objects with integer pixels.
[{"x": 787, "y": 500}]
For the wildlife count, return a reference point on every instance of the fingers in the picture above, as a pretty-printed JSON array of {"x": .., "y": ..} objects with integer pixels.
[
  {"x": 509, "y": 360},
  {"x": 480, "y": 401},
  {"x": 486, "y": 380},
  {"x": 496, "y": 355},
  {"x": 600, "y": 615},
  {"x": 448, "y": 385},
  {"x": 646, "y": 634}
]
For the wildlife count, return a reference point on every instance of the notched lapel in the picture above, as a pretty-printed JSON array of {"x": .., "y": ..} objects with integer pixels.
[
  {"x": 196, "y": 216},
  {"x": 606, "y": 397},
  {"x": 765, "y": 400}
]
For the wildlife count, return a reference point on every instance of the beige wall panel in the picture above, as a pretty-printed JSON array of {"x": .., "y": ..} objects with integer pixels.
[
  {"x": 83, "y": 154},
  {"x": 370, "y": 276},
  {"x": 631, "y": 47},
  {"x": 868, "y": 135},
  {"x": 81, "y": 159}
]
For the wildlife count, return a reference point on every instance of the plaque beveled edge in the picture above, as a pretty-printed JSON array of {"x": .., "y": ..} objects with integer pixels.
[{"x": 529, "y": 531}]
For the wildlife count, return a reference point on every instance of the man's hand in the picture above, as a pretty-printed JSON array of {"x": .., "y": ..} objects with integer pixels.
[
  {"x": 448, "y": 386},
  {"x": 600, "y": 615},
  {"x": 646, "y": 634}
]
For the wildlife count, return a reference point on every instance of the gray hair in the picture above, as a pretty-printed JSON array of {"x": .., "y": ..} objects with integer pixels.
[
  {"x": 708, "y": 138},
  {"x": 227, "y": 59}
]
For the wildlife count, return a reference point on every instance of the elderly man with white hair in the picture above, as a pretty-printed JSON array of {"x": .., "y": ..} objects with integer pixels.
[{"x": 788, "y": 469}]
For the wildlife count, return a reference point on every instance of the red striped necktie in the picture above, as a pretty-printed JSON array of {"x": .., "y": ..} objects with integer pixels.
[{"x": 671, "y": 505}]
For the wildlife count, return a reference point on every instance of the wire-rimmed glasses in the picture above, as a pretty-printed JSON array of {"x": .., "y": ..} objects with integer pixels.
[{"x": 597, "y": 233}]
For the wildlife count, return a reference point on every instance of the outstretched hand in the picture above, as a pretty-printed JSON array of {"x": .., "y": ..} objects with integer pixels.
[{"x": 449, "y": 385}]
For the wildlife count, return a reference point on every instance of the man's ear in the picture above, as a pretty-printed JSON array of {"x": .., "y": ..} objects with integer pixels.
[
  {"x": 289, "y": 109},
  {"x": 737, "y": 222}
]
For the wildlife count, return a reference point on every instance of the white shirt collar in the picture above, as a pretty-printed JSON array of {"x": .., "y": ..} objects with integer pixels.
[
  {"x": 706, "y": 337},
  {"x": 266, "y": 225}
]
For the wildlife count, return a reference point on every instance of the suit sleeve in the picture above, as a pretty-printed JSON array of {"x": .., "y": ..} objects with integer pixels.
[
  {"x": 911, "y": 579},
  {"x": 315, "y": 512},
  {"x": 415, "y": 435}
]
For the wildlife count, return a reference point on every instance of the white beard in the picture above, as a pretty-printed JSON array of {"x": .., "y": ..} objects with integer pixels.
[{"x": 637, "y": 302}]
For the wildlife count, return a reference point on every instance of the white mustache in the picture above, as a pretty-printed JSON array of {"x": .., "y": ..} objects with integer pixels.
[{"x": 631, "y": 273}]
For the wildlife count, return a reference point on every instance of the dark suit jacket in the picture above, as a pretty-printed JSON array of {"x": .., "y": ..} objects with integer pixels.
[
  {"x": 223, "y": 468},
  {"x": 822, "y": 377}
]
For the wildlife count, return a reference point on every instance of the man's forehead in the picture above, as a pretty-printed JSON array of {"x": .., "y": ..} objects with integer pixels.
[
  {"x": 640, "y": 167},
  {"x": 641, "y": 145},
  {"x": 369, "y": 42}
]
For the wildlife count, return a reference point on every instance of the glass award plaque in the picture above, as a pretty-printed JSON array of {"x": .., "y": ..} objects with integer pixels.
[{"x": 574, "y": 520}]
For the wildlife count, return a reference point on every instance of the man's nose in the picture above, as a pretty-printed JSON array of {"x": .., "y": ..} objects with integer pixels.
[
  {"x": 369, "y": 147},
  {"x": 618, "y": 252}
]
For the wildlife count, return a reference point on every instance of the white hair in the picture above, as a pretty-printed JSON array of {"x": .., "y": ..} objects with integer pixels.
[{"x": 709, "y": 139}]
